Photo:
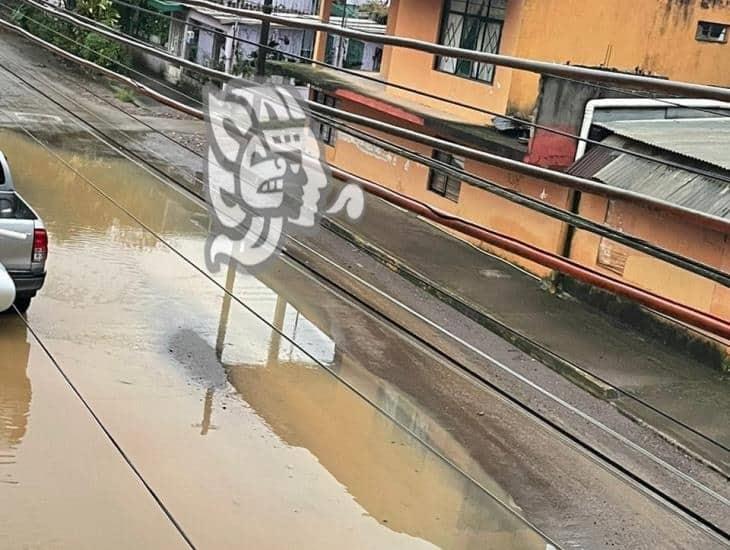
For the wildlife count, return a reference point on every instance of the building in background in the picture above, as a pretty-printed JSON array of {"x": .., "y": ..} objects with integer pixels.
[
  {"x": 208, "y": 36},
  {"x": 552, "y": 30},
  {"x": 653, "y": 33}
]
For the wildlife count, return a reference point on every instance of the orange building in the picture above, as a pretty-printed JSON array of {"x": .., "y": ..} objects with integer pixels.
[{"x": 679, "y": 39}]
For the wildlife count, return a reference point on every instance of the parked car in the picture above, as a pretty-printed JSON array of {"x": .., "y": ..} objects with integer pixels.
[{"x": 23, "y": 241}]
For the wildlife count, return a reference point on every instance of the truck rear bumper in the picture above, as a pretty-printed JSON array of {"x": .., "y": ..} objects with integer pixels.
[{"x": 28, "y": 285}]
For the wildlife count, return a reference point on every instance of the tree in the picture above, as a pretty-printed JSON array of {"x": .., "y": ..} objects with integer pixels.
[{"x": 86, "y": 44}]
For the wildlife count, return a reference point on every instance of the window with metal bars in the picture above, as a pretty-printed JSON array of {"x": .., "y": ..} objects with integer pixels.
[
  {"x": 471, "y": 25},
  {"x": 711, "y": 32},
  {"x": 324, "y": 132},
  {"x": 447, "y": 186}
]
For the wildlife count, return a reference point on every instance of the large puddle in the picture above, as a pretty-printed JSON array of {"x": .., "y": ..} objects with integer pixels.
[{"x": 248, "y": 438}]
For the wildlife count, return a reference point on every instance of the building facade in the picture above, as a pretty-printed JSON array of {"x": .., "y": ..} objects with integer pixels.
[
  {"x": 677, "y": 39},
  {"x": 635, "y": 37}
]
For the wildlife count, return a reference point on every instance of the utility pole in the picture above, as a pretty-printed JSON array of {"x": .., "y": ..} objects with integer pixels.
[{"x": 264, "y": 40}]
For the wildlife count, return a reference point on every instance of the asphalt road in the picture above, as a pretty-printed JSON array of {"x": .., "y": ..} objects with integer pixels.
[{"x": 342, "y": 433}]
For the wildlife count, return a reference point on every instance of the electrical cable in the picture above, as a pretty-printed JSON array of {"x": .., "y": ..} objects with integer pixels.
[
  {"x": 660, "y": 304},
  {"x": 558, "y": 178},
  {"x": 530, "y": 65},
  {"x": 359, "y": 74},
  {"x": 167, "y": 176},
  {"x": 575, "y": 220},
  {"x": 593, "y": 453},
  {"x": 646, "y": 95},
  {"x": 125, "y": 457},
  {"x": 261, "y": 318},
  {"x": 696, "y": 267},
  {"x": 378, "y": 142}
]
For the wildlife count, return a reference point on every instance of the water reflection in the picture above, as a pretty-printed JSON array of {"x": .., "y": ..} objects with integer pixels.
[
  {"x": 144, "y": 303},
  {"x": 392, "y": 475},
  {"x": 15, "y": 390},
  {"x": 84, "y": 209}
]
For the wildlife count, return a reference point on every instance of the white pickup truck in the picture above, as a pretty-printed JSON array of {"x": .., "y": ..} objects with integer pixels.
[{"x": 23, "y": 241}]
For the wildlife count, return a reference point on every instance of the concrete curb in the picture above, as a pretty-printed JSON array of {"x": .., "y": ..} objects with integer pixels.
[{"x": 474, "y": 312}]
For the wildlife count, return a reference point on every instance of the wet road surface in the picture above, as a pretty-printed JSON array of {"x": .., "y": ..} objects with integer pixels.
[
  {"x": 250, "y": 440},
  {"x": 241, "y": 433},
  {"x": 62, "y": 485}
]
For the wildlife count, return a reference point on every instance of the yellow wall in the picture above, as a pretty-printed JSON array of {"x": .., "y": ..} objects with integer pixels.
[
  {"x": 474, "y": 204},
  {"x": 485, "y": 209},
  {"x": 656, "y": 35},
  {"x": 665, "y": 230},
  {"x": 421, "y": 19}
]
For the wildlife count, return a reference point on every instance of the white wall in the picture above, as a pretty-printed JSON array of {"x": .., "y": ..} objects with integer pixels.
[
  {"x": 368, "y": 61},
  {"x": 290, "y": 40}
]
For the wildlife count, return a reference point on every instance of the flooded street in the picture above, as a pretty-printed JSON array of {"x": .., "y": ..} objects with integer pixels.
[
  {"x": 56, "y": 466},
  {"x": 241, "y": 432},
  {"x": 275, "y": 414}
]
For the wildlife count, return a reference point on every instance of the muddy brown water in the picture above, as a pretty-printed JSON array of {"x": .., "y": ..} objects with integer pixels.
[{"x": 245, "y": 437}]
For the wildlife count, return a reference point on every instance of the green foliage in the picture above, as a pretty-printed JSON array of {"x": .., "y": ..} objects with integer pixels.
[
  {"x": 242, "y": 67},
  {"x": 142, "y": 24},
  {"x": 73, "y": 39},
  {"x": 47, "y": 28},
  {"x": 124, "y": 94},
  {"x": 103, "y": 11},
  {"x": 104, "y": 52}
]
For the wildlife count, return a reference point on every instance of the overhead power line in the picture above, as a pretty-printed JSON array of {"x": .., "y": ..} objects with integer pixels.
[
  {"x": 598, "y": 454},
  {"x": 687, "y": 514},
  {"x": 553, "y": 176},
  {"x": 674, "y": 309},
  {"x": 576, "y": 220},
  {"x": 450, "y": 101},
  {"x": 338, "y": 172},
  {"x": 540, "y": 67}
]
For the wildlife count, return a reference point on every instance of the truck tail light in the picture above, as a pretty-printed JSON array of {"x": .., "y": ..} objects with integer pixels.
[{"x": 40, "y": 246}]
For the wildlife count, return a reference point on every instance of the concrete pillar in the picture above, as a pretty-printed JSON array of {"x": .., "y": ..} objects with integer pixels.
[
  {"x": 263, "y": 41},
  {"x": 320, "y": 41},
  {"x": 184, "y": 48},
  {"x": 225, "y": 309},
  {"x": 275, "y": 341}
]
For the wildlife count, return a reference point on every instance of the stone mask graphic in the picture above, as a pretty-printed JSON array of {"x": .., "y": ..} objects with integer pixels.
[{"x": 264, "y": 173}]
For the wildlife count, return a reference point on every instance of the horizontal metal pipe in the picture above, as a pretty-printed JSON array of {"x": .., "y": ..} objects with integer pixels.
[
  {"x": 137, "y": 86},
  {"x": 577, "y": 221},
  {"x": 641, "y": 245},
  {"x": 692, "y": 316},
  {"x": 559, "y": 178},
  {"x": 668, "y": 307},
  {"x": 540, "y": 67},
  {"x": 538, "y": 172}
]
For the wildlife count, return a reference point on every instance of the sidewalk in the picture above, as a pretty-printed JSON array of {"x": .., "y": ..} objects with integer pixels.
[{"x": 595, "y": 351}]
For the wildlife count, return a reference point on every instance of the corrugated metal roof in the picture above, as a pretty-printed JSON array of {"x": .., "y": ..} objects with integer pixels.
[
  {"x": 653, "y": 179},
  {"x": 704, "y": 139}
]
